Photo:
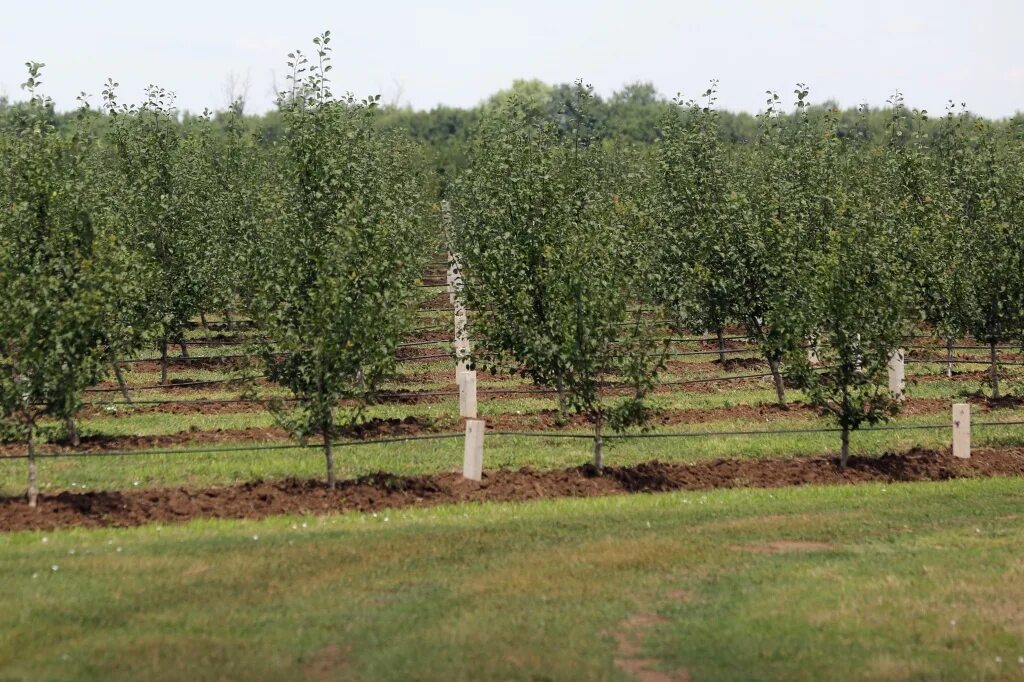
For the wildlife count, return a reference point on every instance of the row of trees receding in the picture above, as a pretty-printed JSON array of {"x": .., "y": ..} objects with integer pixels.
[{"x": 825, "y": 250}]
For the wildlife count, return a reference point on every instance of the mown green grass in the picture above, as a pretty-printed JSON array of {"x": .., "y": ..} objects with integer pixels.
[{"x": 918, "y": 581}]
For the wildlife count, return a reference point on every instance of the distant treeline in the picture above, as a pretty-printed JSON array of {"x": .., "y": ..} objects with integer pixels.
[{"x": 633, "y": 114}]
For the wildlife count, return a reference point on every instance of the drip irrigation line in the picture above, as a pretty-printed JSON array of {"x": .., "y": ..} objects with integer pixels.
[
  {"x": 237, "y": 448},
  {"x": 937, "y": 348},
  {"x": 425, "y": 357},
  {"x": 159, "y": 387},
  {"x": 198, "y": 358},
  {"x": 539, "y": 434},
  {"x": 957, "y": 361}
]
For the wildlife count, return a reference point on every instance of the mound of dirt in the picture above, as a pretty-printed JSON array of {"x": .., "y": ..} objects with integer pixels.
[{"x": 386, "y": 491}]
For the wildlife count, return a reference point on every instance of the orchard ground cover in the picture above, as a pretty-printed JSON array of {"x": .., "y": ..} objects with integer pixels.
[{"x": 879, "y": 581}]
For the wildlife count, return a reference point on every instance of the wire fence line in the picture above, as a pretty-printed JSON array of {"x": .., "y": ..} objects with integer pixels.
[{"x": 456, "y": 435}]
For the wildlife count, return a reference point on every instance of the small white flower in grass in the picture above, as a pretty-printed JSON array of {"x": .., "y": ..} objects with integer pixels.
[
  {"x": 118, "y": 549},
  {"x": 953, "y": 622},
  {"x": 35, "y": 575},
  {"x": 294, "y": 527},
  {"x": 55, "y": 567},
  {"x": 386, "y": 519},
  {"x": 305, "y": 525},
  {"x": 45, "y": 539},
  {"x": 648, "y": 524},
  {"x": 71, "y": 551},
  {"x": 977, "y": 530},
  {"x": 1020, "y": 659},
  {"x": 135, "y": 482},
  {"x": 255, "y": 537},
  {"x": 999, "y": 659}
]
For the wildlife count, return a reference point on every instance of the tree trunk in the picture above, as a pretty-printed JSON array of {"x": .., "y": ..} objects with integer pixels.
[
  {"x": 184, "y": 348},
  {"x": 329, "y": 456},
  {"x": 949, "y": 357},
  {"x": 993, "y": 370},
  {"x": 844, "y": 452},
  {"x": 721, "y": 346},
  {"x": 163, "y": 361},
  {"x": 227, "y": 319},
  {"x": 122, "y": 384},
  {"x": 206, "y": 327},
  {"x": 72, "y": 428},
  {"x": 562, "y": 418},
  {"x": 780, "y": 385},
  {"x": 598, "y": 446},
  {"x": 33, "y": 489}
]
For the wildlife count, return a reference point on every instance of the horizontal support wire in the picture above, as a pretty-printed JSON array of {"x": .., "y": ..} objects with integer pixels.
[
  {"x": 528, "y": 434},
  {"x": 238, "y": 448}
]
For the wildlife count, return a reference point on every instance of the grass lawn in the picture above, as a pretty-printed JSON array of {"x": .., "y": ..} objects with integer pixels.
[{"x": 917, "y": 581}]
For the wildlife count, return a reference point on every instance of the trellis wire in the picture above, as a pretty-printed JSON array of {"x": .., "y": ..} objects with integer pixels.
[{"x": 525, "y": 434}]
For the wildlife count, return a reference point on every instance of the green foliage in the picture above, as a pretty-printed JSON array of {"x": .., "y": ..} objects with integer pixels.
[
  {"x": 156, "y": 210},
  {"x": 346, "y": 244},
  {"x": 858, "y": 300},
  {"x": 777, "y": 236},
  {"x": 546, "y": 239},
  {"x": 982, "y": 187},
  {"x": 693, "y": 270},
  {"x": 60, "y": 274}
]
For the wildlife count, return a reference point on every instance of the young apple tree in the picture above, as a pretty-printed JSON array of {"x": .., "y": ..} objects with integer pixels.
[
  {"x": 348, "y": 242},
  {"x": 547, "y": 244},
  {"x": 60, "y": 275},
  {"x": 982, "y": 197},
  {"x": 857, "y": 301},
  {"x": 692, "y": 274},
  {"x": 775, "y": 232}
]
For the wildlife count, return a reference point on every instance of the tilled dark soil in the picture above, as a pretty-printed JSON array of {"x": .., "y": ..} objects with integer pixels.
[{"x": 385, "y": 491}]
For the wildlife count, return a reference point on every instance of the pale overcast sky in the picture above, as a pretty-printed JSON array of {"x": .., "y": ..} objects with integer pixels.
[{"x": 457, "y": 52}]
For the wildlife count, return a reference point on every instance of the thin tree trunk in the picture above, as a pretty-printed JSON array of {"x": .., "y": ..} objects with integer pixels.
[
  {"x": 206, "y": 327},
  {"x": 163, "y": 361},
  {"x": 993, "y": 370},
  {"x": 721, "y": 346},
  {"x": 227, "y": 319},
  {"x": 780, "y": 385},
  {"x": 949, "y": 357},
  {"x": 561, "y": 419},
  {"x": 184, "y": 348},
  {"x": 844, "y": 452},
  {"x": 122, "y": 384},
  {"x": 33, "y": 488},
  {"x": 329, "y": 456},
  {"x": 598, "y": 446},
  {"x": 72, "y": 428}
]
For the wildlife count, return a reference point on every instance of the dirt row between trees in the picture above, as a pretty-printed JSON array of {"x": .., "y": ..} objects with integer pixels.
[{"x": 383, "y": 491}]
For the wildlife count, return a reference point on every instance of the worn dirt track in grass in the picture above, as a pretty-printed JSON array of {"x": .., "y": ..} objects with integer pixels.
[{"x": 385, "y": 491}]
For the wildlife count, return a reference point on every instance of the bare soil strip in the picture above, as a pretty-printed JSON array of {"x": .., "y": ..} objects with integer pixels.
[{"x": 386, "y": 491}]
